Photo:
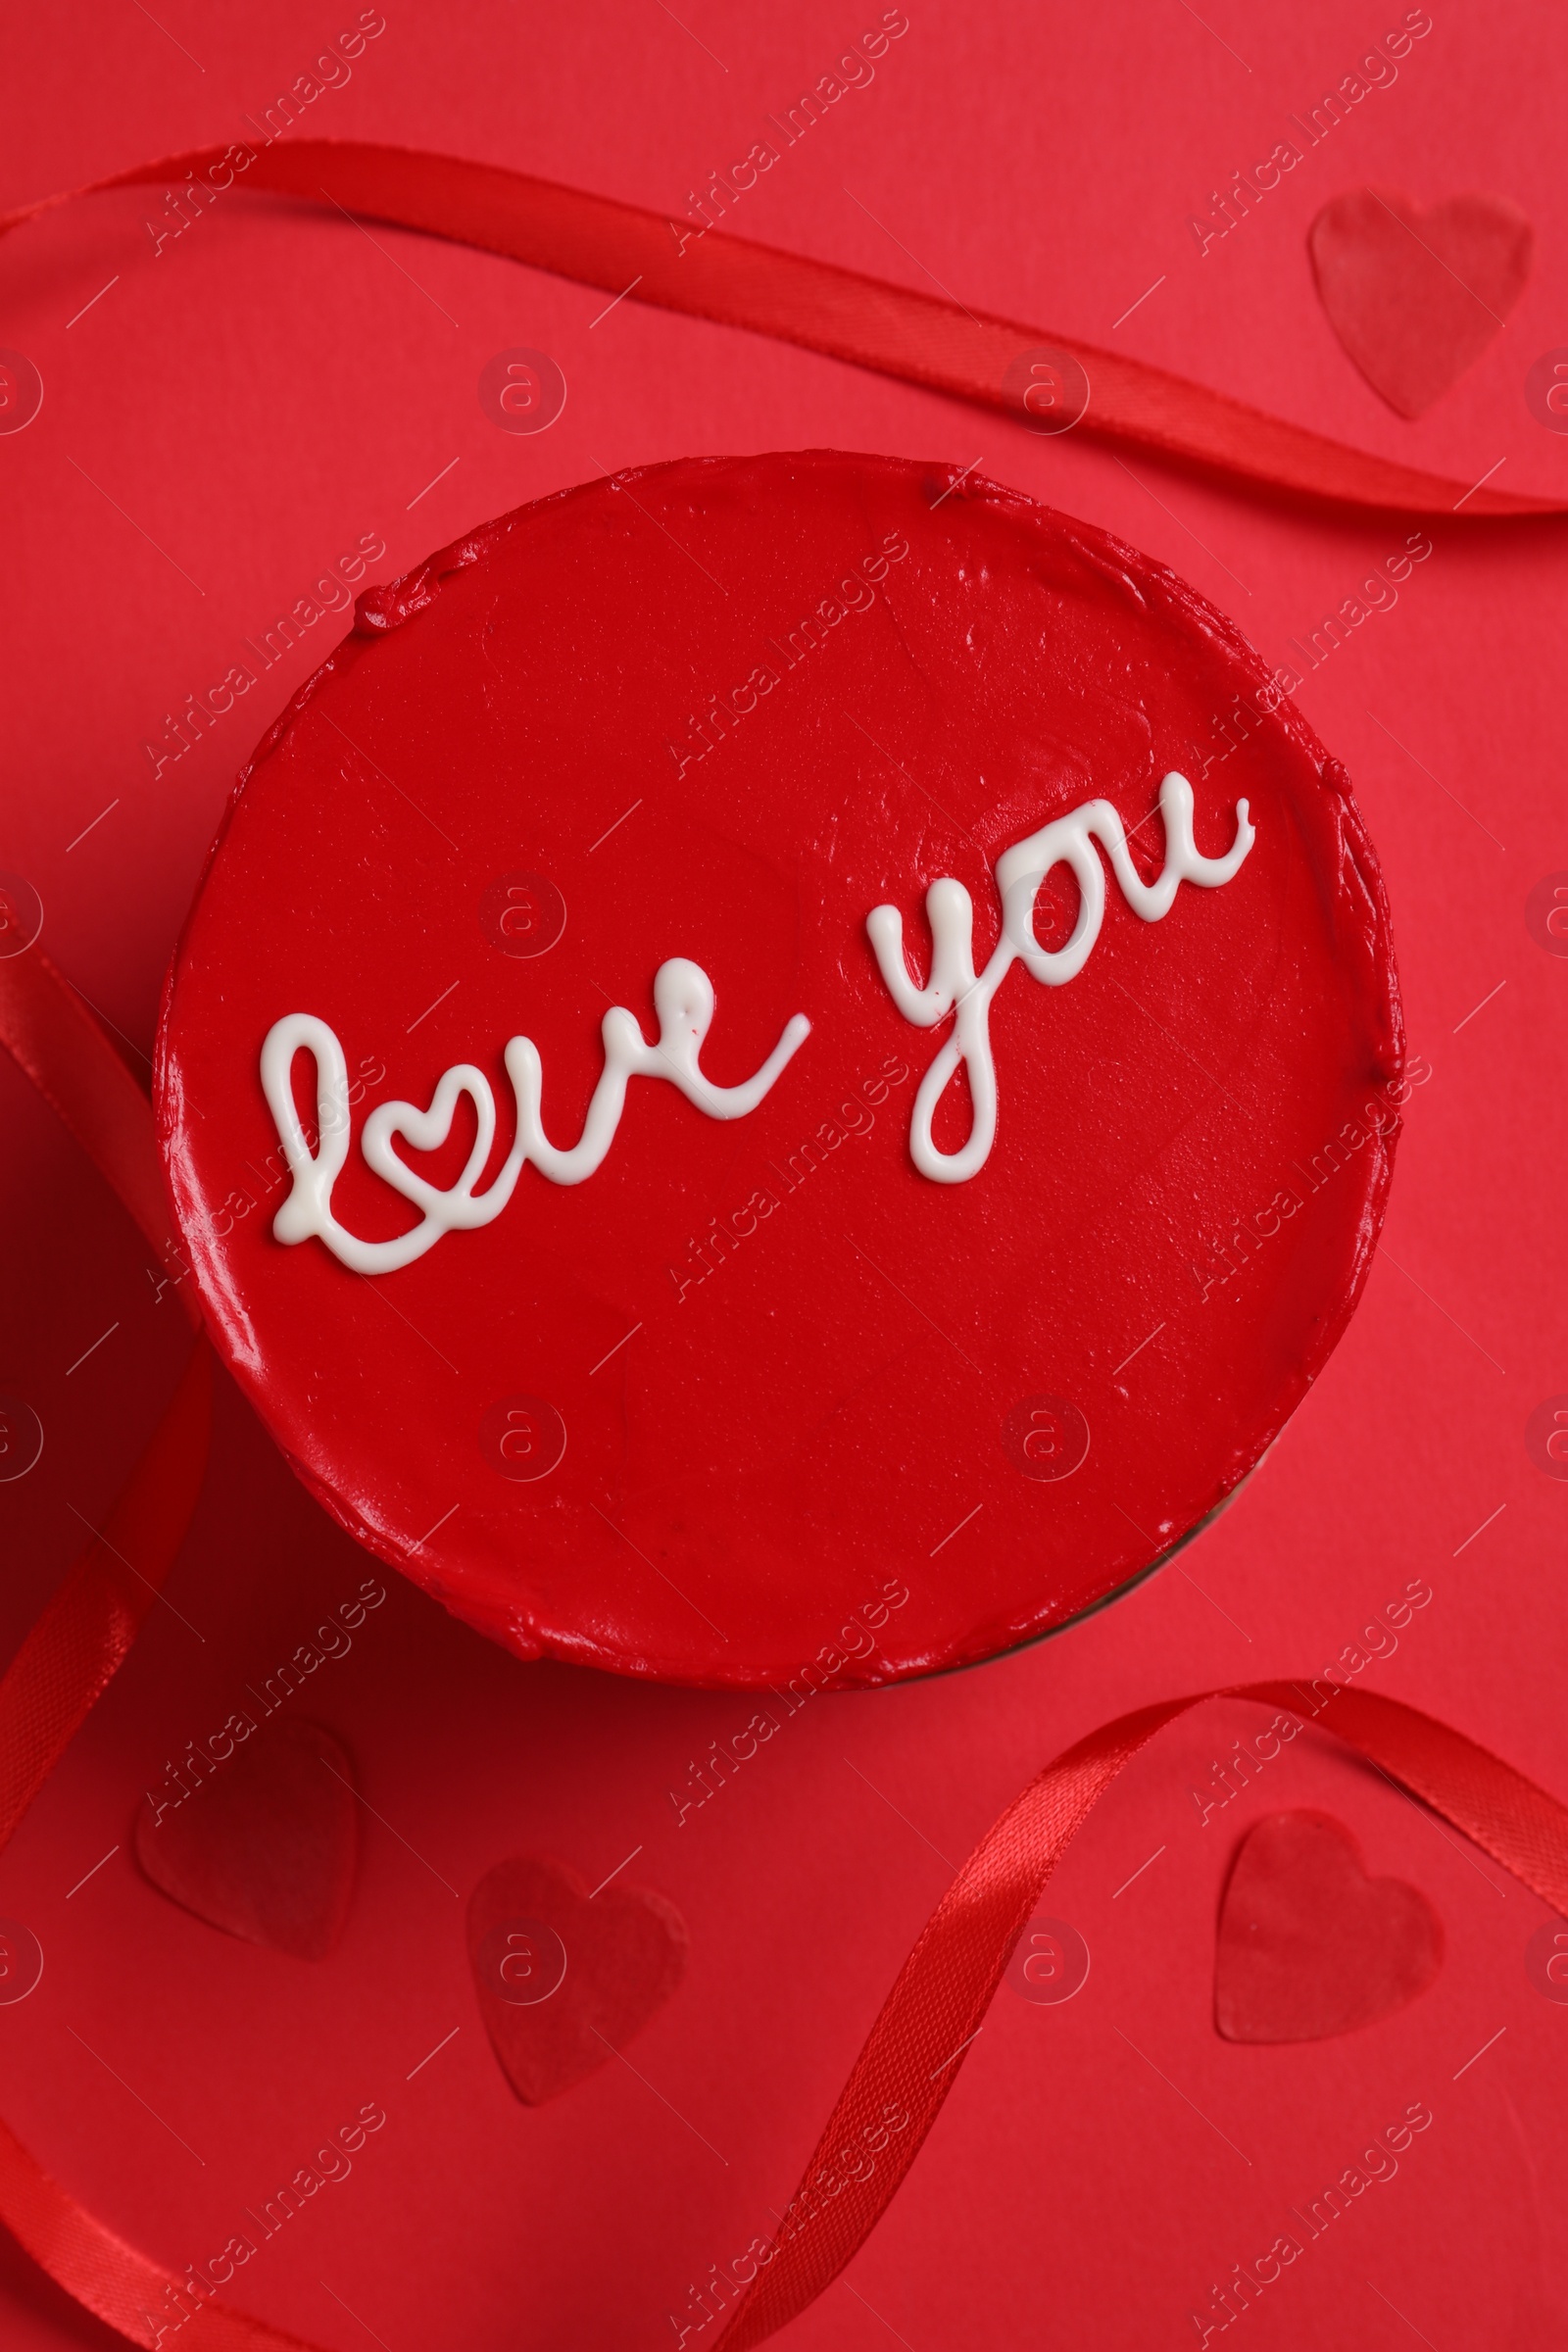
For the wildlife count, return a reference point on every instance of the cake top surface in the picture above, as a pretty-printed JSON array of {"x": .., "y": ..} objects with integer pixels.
[{"x": 785, "y": 1067}]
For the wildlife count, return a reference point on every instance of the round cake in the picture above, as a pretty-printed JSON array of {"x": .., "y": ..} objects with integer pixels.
[{"x": 784, "y": 1070}]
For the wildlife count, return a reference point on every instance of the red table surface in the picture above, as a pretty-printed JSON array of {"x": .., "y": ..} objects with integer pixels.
[{"x": 240, "y": 407}]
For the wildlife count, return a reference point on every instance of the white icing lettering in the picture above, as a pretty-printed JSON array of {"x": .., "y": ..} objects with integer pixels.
[
  {"x": 953, "y": 986},
  {"x": 683, "y": 996}
]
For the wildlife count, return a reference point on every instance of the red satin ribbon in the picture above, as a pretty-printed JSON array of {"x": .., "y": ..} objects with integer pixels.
[
  {"x": 75, "y": 1647},
  {"x": 625, "y": 250},
  {"x": 52, "y": 1033}
]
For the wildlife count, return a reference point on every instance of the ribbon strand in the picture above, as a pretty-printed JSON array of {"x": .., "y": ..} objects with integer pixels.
[
  {"x": 48, "y": 1029},
  {"x": 74, "y": 1649},
  {"x": 624, "y": 249}
]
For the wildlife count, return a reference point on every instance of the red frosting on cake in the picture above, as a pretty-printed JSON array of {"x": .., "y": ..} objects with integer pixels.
[{"x": 759, "y": 1399}]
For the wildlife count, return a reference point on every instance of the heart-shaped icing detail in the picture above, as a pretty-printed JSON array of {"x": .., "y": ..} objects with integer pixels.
[
  {"x": 264, "y": 1847},
  {"x": 566, "y": 1978},
  {"x": 427, "y": 1131},
  {"x": 1416, "y": 296},
  {"x": 1309, "y": 1945}
]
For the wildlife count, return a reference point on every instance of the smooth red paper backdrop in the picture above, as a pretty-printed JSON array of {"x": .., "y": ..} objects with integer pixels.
[{"x": 226, "y": 417}]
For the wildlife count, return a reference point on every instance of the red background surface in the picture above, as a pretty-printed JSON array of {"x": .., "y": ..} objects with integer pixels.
[{"x": 262, "y": 392}]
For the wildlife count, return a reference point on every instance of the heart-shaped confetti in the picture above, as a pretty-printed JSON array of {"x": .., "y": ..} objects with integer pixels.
[
  {"x": 261, "y": 1846},
  {"x": 1416, "y": 296},
  {"x": 1309, "y": 1945},
  {"x": 565, "y": 1976}
]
